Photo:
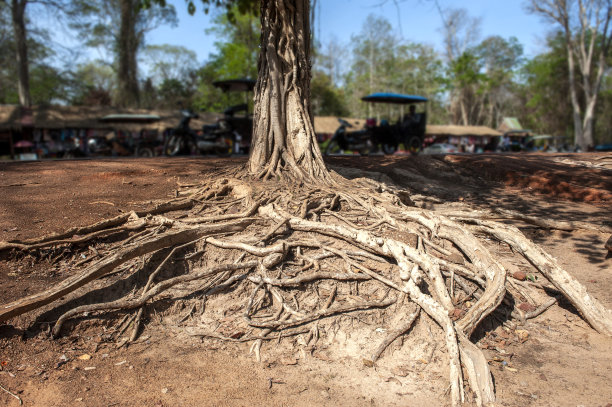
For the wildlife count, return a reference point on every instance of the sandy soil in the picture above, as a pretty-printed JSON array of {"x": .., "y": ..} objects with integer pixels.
[{"x": 563, "y": 361}]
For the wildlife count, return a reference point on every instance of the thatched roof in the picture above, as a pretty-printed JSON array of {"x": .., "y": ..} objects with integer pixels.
[
  {"x": 461, "y": 131},
  {"x": 329, "y": 124},
  {"x": 9, "y": 115},
  {"x": 89, "y": 117}
]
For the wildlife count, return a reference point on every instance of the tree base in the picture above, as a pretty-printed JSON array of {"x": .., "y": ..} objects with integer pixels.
[{"x": 263, "y": 260}]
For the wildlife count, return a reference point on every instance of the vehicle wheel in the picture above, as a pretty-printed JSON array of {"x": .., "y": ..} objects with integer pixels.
[
  {"x": 144, "y": 152},
  {"x": 227, "y": 150},
  {"x": 389, "y": 149},
  {"x": 414, "y": 144},
  {"x": 174, "y": 146},
  {"x": 332, "y": 148},
  {"x": 366, "y": 150}
]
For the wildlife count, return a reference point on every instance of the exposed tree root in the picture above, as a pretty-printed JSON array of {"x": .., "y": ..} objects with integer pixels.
[
  {"x": 501, "y": 213},
  {"x": 19, "y": 400},
  {"x": 290, "y": 258},
  {"x": 396, "y": 333}
]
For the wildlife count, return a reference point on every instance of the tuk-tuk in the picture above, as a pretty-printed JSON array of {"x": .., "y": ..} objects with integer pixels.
[
  {"x": 236, "y": 119},
  {"x": 409, "y": 130},
  {"x": 229, "y": 135}
]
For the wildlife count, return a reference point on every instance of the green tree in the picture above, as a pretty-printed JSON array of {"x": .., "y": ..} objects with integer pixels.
[
  {"x": 373, "y": 55},
  {"x": 40, "y": 83},
  {"x": 169, "y": 62},
  {"x": 603, "y": 122},
  {"x": 418, "y": 70},
  {"x": 237, "y": 51},
  {"x": 331, "y": 59},
  {"x": 14, "y": 14},
  {"x": 501, "y": 60},
  {"x": 587, "y": 34},
  {"x": 172, "y": 80},
  {"x": 327, "y": 99},
  {"x": 119, "y": 28},
  {"x": 383, "y": 63},
  {"x": 18, "y": 10},
  {"x": 545, "y": 91},
  {"x": 460, "y": 32},
  {"x": 467, "y": 84},
  {"x": 92, "y": 84}
]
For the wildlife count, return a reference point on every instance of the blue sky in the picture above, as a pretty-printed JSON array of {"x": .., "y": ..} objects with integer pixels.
[{"x": 420, "y": 22}]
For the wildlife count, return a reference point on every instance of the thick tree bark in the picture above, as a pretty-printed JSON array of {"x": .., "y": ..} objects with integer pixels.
[
  {"x": 18, "y": 18},
  {"x": 584, "y": 41},
  {"x": 577, "y": 113},
  {"x": 127, "y": 45},
  {"x": 464, "y": 114},
  {"x": 284, "y": 140}
]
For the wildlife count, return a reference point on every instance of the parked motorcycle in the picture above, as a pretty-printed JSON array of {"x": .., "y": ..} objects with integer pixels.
[
  {"x": 112, "y": 145},
  {"x": 343, "y": 140},
  {"x": 236, "y": 119},
  {"x": 185, "y": 141}
]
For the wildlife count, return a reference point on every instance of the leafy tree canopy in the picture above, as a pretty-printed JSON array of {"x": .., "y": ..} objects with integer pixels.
[{"x": 237, "y": 52}]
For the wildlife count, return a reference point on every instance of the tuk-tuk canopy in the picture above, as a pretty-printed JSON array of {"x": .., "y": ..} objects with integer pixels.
[
  {"x": 396, "y": 98},
  {"x": 235, "y": 85},
  {"x": 121, "y": 117}
]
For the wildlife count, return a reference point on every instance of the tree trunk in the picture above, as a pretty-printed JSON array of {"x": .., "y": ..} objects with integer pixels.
[
  {"x": 587, "y": 127},
  {"x": 578, "y": 139},
  {"x": 371, "y": 74},
  {"x": 591, "y": 96},
  {"x": 464, "y": 114},
  {"x": 127, "y": 47},
  {"x": 283, "y": 130},
  {"x": 18, "y": 18}
]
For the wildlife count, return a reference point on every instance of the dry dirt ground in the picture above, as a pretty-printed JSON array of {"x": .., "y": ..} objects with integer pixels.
[{"x": 562, "y": 361}]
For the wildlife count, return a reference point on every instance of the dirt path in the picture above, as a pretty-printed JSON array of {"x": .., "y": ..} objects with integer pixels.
[{"x": 563, "y": 362}]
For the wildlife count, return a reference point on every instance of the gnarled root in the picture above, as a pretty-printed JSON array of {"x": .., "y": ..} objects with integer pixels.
[{"x": 307, "y": 255}]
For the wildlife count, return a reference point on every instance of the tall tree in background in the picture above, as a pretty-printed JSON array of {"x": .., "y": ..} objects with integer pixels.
[
  {"x": 166, "y": 62},
  {"x": 545, "y": 93},
  {"x": 6, "y": 48},
  {"x": 19, "y": 24},
  {"x": 382, "y": 62},
  {"x": 33, "y": 80},
  {"x": 119, "y": 27},
  {"x": 328, "y": 98},
  {"x": 500, "y": 59},
  {"x": 237, "y": 52},
  {"x": 373, "y": 56},
  {"x": 603, "y": 122},
  {"x": 417, "y": 69},
  {"x": 93, "y": 84},
  {"x": 331, "y": 59},
  {"x": 467, "y": 92},
  {"x": 172, "y": 76},
  {"x": 18, "y": 9},
  {"x": 127, "y": 45},
  {"x": 460, "y": 32},
  {"x": 587, "y": 34}
]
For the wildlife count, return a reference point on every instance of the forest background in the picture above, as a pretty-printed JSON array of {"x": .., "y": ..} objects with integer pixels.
[{"x": 472, "y": 80}]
